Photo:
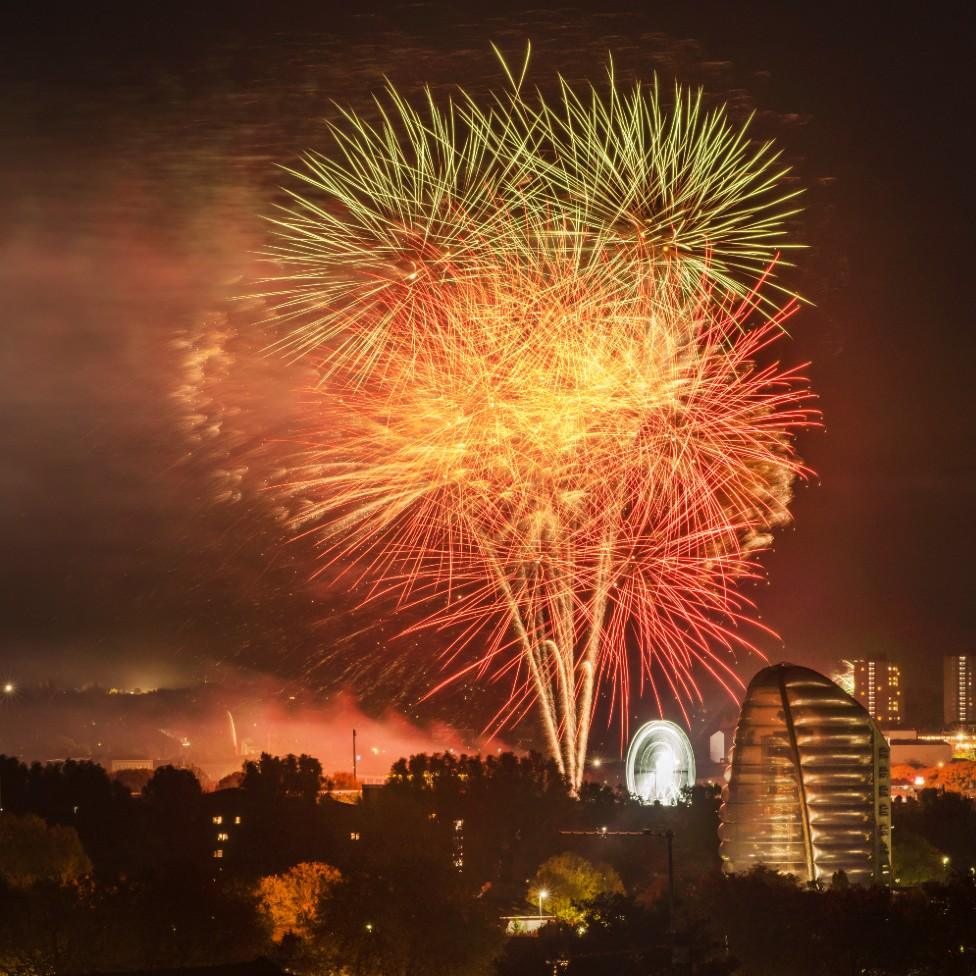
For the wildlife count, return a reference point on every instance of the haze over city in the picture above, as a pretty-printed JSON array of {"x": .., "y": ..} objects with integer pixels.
[{"x": 486, "y": 490}]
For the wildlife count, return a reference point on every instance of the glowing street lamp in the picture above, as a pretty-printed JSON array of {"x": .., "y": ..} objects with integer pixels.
[
  {"x": 8, "y": 688},
  {"x": 543, "y": 895}
]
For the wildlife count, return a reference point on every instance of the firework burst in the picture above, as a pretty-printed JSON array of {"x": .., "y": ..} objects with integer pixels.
[{"x": 541, "y": 413}]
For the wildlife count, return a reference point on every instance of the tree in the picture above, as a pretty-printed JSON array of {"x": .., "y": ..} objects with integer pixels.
[
  {"x": 299, "y": 777},
  {"x": 79, "y": 795},
  {"x": 190, "y": 921},
  {"x": 71, "y": 792},
  {"x": 773, "y": 925},
  {"x": 407, "y": 915},
  {"x": 291, "y": 901},
  {"x": 839, "y": 881},
  {"x": 945, "y": 819},
  {"x": 14, "y": 778},
  {"x": 907, "y": 772},
  {"x": 341, "y": 780},
  {"x": 759, "y": 915},
  {"x": 511, "y": 809},
  {"x": 175, "y": 832},
  {"x": 284, "y": 824},
  {"x": 45, "y": 928},
  {"x": 173, "y": 790},
  {"x": 127, "y": 925},
  {"x": 616, "y": 935},
  {"x": 566, "y": 881},
  {"x": 915, "y": 860},
  {"x": 31, "y": 852},
  {"x": 958, "y": 775},
  {"x": 231, "y": 781}
]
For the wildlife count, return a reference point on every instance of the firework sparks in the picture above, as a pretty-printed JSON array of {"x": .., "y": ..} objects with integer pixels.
[
  {"x": 611, "y": 182},
  {"x": 541, "y": 415}
]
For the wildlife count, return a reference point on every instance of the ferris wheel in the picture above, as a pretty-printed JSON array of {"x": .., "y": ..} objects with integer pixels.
[{"x": 660, "y": 763}]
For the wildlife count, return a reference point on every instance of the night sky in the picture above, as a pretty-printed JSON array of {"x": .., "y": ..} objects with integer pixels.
[{"x": 138, "y": 157}]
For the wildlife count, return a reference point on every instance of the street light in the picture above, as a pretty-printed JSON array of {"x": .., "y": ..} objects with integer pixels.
[
  {"x": 8, "y": 688},
  {"x": 543, "y": 894}
]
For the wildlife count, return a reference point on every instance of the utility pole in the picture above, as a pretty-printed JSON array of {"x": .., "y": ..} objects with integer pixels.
[
  {"x": 354, "y": 780},
  {"x": 669, "y": 837}
]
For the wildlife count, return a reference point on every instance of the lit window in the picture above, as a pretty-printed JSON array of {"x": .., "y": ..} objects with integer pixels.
[
  {"x": 354, "y": 835},
  {"x": 223, "y": 835},
  {"x": 237, "y": 820},
  {"x": 218, "y": 819},
  {"x": 219, "y": 852}
]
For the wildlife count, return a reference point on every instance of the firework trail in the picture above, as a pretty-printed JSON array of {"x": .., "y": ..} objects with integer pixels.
[{"x": 541, "y": 412}]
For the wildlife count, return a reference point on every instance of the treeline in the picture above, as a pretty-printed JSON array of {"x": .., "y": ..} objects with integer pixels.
[
  {"x": 416, "y": 876},
  {"x": 762, "y": 924},
  {"x": 420, "y": 871}
]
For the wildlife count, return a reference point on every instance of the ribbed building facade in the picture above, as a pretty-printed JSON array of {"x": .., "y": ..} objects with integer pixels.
[{"x": 808, "y": 786}]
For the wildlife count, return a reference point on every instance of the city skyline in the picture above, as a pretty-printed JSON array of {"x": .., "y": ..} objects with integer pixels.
[
  {"x": 118, "y": 569},
  {"x": 486, "y": 490}
]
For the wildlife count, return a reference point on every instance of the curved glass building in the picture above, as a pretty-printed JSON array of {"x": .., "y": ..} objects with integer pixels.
[
  {"x": 808, "y": 787},
  {"x": 660, "y": 763}
]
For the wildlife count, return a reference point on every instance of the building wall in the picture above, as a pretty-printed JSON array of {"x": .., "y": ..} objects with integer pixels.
[
  {"x": 226, "y": 810},
  {"x": 117, "y": 765},
  {"x": 959, "y": 689},
  {"x": 877, "y": 686},
  {"x": 920, "y": 753},
  {"x": 808, "y": 787}
]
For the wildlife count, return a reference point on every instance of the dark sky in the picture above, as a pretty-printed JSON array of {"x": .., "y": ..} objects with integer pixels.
[{"x": 137, "y": 157}]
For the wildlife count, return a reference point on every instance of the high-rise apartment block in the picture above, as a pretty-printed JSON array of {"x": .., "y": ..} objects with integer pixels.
[
  {"x": 877, "y": 686},
  {"x": 959, "y": 672}
]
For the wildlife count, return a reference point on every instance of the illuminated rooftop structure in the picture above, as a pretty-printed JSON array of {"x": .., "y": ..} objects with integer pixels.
[
  {"x": 660, "y": 763},
  {"x": 808, "y": 787}
]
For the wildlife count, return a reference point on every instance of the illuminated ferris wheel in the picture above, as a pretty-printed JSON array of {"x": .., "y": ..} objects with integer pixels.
[{"x": 660, "y": 763}]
